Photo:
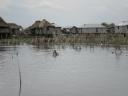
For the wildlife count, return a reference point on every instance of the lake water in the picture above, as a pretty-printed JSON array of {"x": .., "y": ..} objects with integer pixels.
[{"x": 78, "y": 70}]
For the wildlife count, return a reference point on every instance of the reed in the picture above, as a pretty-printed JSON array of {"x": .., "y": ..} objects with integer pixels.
[{"x": 72, "y": 39}]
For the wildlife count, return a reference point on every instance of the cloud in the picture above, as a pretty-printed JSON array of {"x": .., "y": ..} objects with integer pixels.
[
  {"x": 65, "y": 12},
  {"x": 35, "y": 4},
  {"x": 4, "y": 4}
]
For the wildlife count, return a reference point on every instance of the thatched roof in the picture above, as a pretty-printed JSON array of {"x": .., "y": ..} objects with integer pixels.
[
  {"x": 14, "y": 26},
  {"x": 3, "y": 23},
  {"x": 42, "y": 24}
]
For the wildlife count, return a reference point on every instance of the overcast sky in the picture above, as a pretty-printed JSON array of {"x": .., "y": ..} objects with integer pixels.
[{"x": 64, "y": 12}]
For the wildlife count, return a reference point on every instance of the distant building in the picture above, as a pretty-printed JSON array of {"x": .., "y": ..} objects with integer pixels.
[
  {"x": 75, "y": 30},
  {"x": 15, "y": 29},
  {"x": 27, "y": 31},
  {"x": 121, "y": 28},
  {"x": 58, "y": 31},
  {"x": 72, "y": 30},
  {"x": 44, "y": 28},
  {"x": 4, "y": 29},
  {"x": 93, "y": 28},
  {"x": 66, "y": 30},
  {"x": 86, "y": 29}
]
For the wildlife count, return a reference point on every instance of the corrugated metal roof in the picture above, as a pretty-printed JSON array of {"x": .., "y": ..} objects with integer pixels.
[
  {"x": 92, "y": 26},
  {"x": 124, "y": 23}
]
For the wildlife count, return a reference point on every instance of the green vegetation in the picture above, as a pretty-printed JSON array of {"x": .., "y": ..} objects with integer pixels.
[{"x": 117, "y": 39}]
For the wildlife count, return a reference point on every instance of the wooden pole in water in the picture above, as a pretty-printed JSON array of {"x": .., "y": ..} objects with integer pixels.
[
  {"x": 19, "y": 71},
  {"x": 19, "y": 75},
  {"x": 6, "y": 36},
  {"x": 1, "y": 36}
]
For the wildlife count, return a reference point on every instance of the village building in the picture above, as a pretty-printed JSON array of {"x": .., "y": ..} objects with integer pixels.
[
  {"x": 72, "y": 30},
  {"x": 58, "y": 31},
  {"x": 44, "y": 28},
  {"x": 86, "y": 29},
  {"x": 122, "y": 28},
  {"x": 4, "y": 29},
  {"x": 27, "y": 31},
  {"x": 15, "y": 29},
  {"x": 75, "y": 30},
  {"x": 93, "y": 28},
  {"x": 66, "y": 30}
]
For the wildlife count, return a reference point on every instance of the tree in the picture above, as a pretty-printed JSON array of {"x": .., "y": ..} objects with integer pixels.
[{"x": 110, "y": 27}]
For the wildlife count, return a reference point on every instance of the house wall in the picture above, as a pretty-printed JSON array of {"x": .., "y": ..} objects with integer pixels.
[
  {"x": 46, "y": 31},
  {"x": 51, "y": 30},
  {"x": 58, "y": 31},
  {"x": 4, "y": 30},
  {"x": 54, "y": 31},
  {"x": 74, "y": 30},
  {"x": 15, "y": 31},
  {"x": 39, "y": 31},
  {"x": 94, "y": 30},
  {"x": 121, "y": 29},
  {"x": 4, "y": 33},
  {"x": 79, "y": 30},
  {"x": 66, "y": 31},
  {"x": 102, "y": 30}
]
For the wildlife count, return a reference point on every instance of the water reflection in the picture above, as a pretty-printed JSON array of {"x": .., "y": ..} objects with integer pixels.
[
  {"x": 115, "y": 50},
  {"x": 3, "y": 49},
  {"x": 78, "y": 70},
  {"x": 77, "y": 47},
  {"x": 45, "y": 46}
]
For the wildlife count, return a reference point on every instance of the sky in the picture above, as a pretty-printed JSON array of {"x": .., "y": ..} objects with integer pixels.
[{"x": 64, "y": 12}]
